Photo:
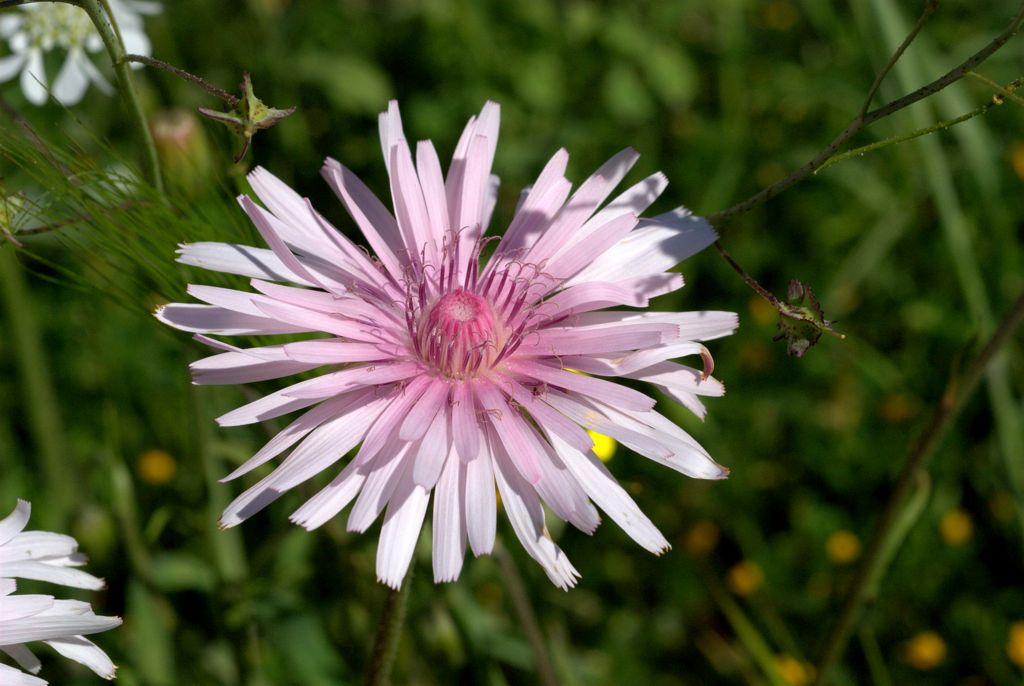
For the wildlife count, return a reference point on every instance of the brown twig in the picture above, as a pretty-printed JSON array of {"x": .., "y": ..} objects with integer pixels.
[
  {"x": 949, "y": 406},
  {"x": 227, "y": 98}
]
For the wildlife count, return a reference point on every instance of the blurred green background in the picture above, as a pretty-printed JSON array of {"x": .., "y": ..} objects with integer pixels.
[{"x": 916, "y": 250}]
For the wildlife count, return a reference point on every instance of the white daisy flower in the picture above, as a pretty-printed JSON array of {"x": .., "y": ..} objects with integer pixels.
[
  {"x": 62, "y": 624},
  {"x": 33, "y": 30}
]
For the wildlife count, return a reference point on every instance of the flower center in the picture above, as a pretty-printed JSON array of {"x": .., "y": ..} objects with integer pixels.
[{"x": 459, "y": 334}]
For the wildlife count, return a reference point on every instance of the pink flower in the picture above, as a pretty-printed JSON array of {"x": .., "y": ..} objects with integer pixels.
[{"x": 455, "y": 373}]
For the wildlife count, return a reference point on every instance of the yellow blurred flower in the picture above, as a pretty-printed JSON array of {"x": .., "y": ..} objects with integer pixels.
[
  {"x": 842, "y": 547},
  {"x": 745, "y": 578},
  {"x": 1015, "y": 644},
  {"x": 793, "y": 671},
  {"x": 779, "y": 15},
  {"x": 956, "y": 527},
  {"x": 701, "y": 538},
  {"x": 897, "y": 408},
  {"x": 761, "y": 310},
  {"x": 604, "y": 446},
  {"x": 1017, "y": 159},
  {"x": 924, "y": 651},
  {"x": 156, "y": 467}
]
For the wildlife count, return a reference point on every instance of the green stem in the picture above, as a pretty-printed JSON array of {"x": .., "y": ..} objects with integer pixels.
[
  {"x": 902, "y": 138},
  {"x": 40, "y": 400},
  {"x": 389, "y": 630},
  {"x": 106, "y": 26},
  {"x": 949, "y": 406},
  {"x": 526, "y": 616}
]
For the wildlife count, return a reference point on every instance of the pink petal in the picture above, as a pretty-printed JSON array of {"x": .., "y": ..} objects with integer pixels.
[
  {"x": 527, "y": 518},
  {"x": 232, "y": 258},
  {"x": 432, "y": 452},
  {"x": 449, "y": 530},
  {"x": 481, "y": 507},
  {"x": 601, "y": 486},
  {"x": 465, "y": 424},
  {"x": 401, "y": 530},
  {"x": 511, "y": 430},
  {"x": 378, "y": 487},
  {"x": 378, "y": 226},
  {"x": 420, "y": 417},
  {"x": 607, "y": 391},
  {"x": 581, "y": 205},
  {"x": 331, "y": 500}
]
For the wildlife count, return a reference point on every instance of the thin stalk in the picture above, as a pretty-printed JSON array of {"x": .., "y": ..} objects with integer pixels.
[
  {"x": 903, "y": 138},
  {"x": 106, "y": 26},
  {"x": 526, "y": 616},
  {"x": 929, "y": 9},
  {"x": 40, "y": 401},
  {"x": 229, "y": 100},
  {"x": 865, "y": 119},
  {"x": 389, "y": 630},
  {"x": 1006, "y": 91},
  {"x": 947, "y": 409}
]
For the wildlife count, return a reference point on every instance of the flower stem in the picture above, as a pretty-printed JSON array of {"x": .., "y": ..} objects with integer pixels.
[
  {"x": 947, "y": 409},
  {"x": 105, "y": 25},
  {"x": 527, "y": 617},
  {"x": 229, "y": 100},
  {"x": 997, "y": 99},
  {"x": 40, "y": 400},
  {"x": 865, "y": 119},
  {"x": 389, "y": 630}
]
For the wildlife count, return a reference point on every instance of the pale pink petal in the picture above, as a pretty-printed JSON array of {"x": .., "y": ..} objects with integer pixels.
[
  {"x": 238, "y": 259},
  {"x": 433, "y": 450},
  {"x": 511, "y": 430},
  {"x": 331, "y": 500},
  {"x": 325, "y": 414},
  {"x": 410, "y": 209},
  {"x": 401, "y": 529},
  {"x": 481, "y": 509},
  {"x": 373, "y": 219},
  {"x": 428, "y": 168},
  {"x": 601, "y": 486},
  {"x": 322, "y": 448},
  {"x": 43, "y": 571},
  {"x": 465, "y": 424},
  {"x": 656, "y": 245},
  {"x": 387, "y": 425},
  {"x": 449, "y": 528},
  {"x": 634, "y": 200},
  {"x": 217, "y": 320},
  {"x": 421, "y": 416},
  {"x": 378, "y": 487},
  {"x": 581, "y": 205},
  {"x": 552, "y": 420},
  {"x": 541, "y": 205},
  {"x": 338, "y": 351},
  {"x": 607, "y": 391},
  {"x": 14, "y": 523},
  {"x": 85, "y": 652},
  {"x": 557, "y": 342},
  {"x": 527, "y": 517},
  {"x": 351, "y": 378}
]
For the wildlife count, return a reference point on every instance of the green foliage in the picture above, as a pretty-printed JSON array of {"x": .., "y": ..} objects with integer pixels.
[{"x": 915, "y": 249}]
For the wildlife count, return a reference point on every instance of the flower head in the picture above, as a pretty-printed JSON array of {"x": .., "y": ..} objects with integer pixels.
[
  {"x": 456, "y": 373},
  {"x": 62, "y": 624},
  {"x": 35, "y": 29}
]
